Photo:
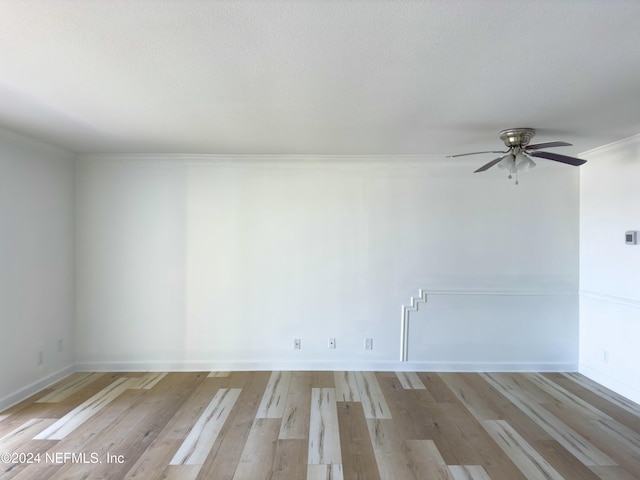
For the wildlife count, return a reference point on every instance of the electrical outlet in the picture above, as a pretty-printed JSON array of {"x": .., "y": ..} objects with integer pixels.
[
  {"x": 368, "y": 343},
  {"x": 332, "y": 343},
  {"x": 605, "y": 357},
  {"x": 60, "y": 346},
  {"x": 296, "y": 344},
  {"x": 40, "y": 358}
]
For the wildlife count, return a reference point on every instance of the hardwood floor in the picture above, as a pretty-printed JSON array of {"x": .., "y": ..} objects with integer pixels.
[{"x": 322, "y": 425}]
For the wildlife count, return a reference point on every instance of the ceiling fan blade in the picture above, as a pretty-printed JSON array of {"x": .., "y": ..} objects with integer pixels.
[
  {"x": 475, "y": 153},
  {"x": 558, "y": 158},
  {"x": 538, "y": 146},
  {"x": 487, "y": 166}
]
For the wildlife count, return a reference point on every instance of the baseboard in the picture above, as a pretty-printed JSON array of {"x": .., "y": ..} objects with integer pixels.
[
  {"x": 33, "y": 388},
  {"x": 610, "y": 382},
  {"x": 204, "y": 366}
]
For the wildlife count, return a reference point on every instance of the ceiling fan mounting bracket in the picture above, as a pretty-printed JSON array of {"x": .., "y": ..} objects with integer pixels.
[{"x": 517, "y": 137}]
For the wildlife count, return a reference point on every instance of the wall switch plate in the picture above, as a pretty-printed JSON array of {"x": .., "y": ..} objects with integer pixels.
[
  {"x": 368, "y": 343},
  {"x": 332, "y": 343},
  {"x": 296, "y": 344}
]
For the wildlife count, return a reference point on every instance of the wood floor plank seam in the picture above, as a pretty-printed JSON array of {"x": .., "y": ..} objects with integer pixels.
[{"x": 346, "y": 387}]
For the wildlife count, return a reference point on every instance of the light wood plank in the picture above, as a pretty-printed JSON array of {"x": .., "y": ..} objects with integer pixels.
[
  {"x": 437, "y": 389},
  {"x": 605, "y": 393},
  {"x": 469, "y": 397},
  {"x": 290, "y": 460},
  {"x": 256, "y": 462},
  {"x": 274, "y": 398},
  {"x": 614, "y": 439},
  {"x": 411, "y": 410},
  {"x": 566, "y": 398},
  {"x": 111, "y": 429},
  {"x": 390, "y": 452},
  {"x": 133, "y": 432},
  {"x": 324, "y": 472},
  {"x": 218, "y": 374},
  {"x": 579, "y": 446},
  {"x": 25, "y": 432},
  {"x": 623, "y": 435},
  {"x": 530, "y": 462},
  {"x": 358, "y": 458},
  {"x": 196, "y": 446},
  {"x": 73, "y": 384},
  {"x": 427, "y": 460},
  {"x": 346, "y": 387},
  {"x": 295, "y": 420},
  {"x": 85, "y": 411},
  {"x": 152, "y": 462},
  {"x": 612, "y": 473},
  {"x": 149, "y": 380},
  {"x": 225, "y": 456},
  {"x": 469, "y": 472},
  {"x": 324, "y": 432},
  {"x": 410, "y": 381},
  {"x": 181, "y": 472},
  {"x": 373, "y": 401},
  {"x": 443, "y": 424}
]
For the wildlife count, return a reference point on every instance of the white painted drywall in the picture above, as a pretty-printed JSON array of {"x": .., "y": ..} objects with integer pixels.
[
  {"x": 131, "y": 256},
  {"x": 36, "y": 266},
  {"x": 610, "y": 269},
  {"x": 500, "y": 330},
  {"x": 213, "y": 262}
]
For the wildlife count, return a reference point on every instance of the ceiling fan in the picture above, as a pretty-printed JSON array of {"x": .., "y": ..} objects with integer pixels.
[{"x": 517, "y": 157}]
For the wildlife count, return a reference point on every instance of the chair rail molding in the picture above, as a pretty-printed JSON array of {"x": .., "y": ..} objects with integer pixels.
[{"x": 610, "y": 298}]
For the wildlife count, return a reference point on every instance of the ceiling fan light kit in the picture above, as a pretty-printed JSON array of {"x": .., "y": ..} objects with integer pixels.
[{"x": 519, "y": 152}]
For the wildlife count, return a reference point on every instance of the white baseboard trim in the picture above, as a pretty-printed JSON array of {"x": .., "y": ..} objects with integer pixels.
[
  {"x": 391, "y": 366},
  {"x": 203, "y": 366},
  {"x": 25, "y": 392},
  {"x": 610, "y": 382}
]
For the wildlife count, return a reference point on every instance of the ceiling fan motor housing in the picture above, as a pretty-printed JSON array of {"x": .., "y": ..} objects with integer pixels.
[{"x": 517, "y": 137}]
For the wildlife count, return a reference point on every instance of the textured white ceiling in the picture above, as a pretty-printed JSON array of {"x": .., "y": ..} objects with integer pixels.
[{"x": 318, "y": 76}]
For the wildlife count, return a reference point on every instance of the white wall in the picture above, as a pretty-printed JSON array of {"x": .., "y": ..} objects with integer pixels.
[
  {"x": 609, "y": 269},
  {"x": 36, "y": 266},
  {"x": 210, "y": 262}
]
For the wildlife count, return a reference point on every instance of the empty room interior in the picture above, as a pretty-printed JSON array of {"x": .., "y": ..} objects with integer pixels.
[{"x": 306, "y": 239}]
